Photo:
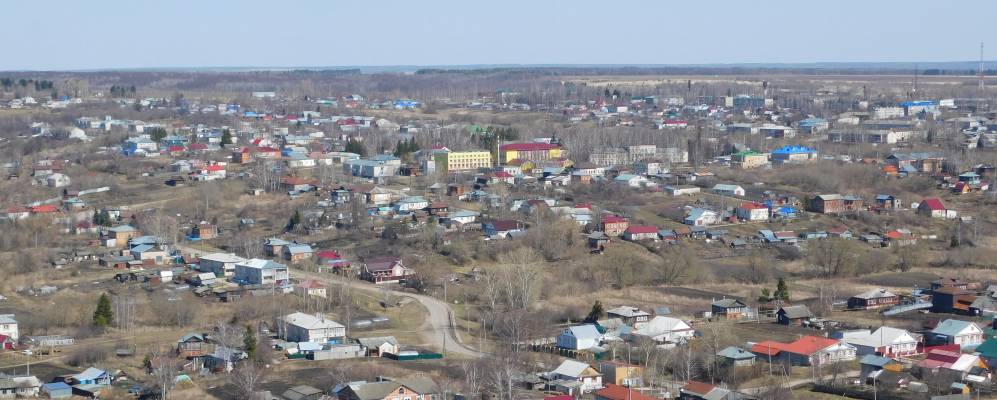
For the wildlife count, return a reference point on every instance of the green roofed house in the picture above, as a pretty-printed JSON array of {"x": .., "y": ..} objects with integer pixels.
[
  {"x": 988, "y": 351},
  {"x": 736, "y": 356},
  {"x": 748, "y": 159}
]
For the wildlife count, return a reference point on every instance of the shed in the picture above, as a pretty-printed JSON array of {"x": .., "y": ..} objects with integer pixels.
[{"x": 57, "y": 390}]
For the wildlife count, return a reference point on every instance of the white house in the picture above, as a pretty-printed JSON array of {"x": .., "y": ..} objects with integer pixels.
[
  {"x": 261, "y": 272},
  {"x": 954, "y": 331},
  {"x": 664, "y": 330},
  {"x": 752, "y": 211},
  {"x": 631, "y": 180},
  {"x": 463, "y": 216},
  {"x": 411, "y": 203},
  {"x": 581, "y": 337},
  {"x": 577, "y": 371},
  {"x": 702, "y": 217},
  {"x": 8, "y": 326},
  {"x": 682, "y": 190},
  {"x": 57, "y": 180},
  {"x": 301, "y": 327},
  {"x": 728, "y": 190},
  {"x": 887, "y": 341},
  {"x": 220, "y": 264}
]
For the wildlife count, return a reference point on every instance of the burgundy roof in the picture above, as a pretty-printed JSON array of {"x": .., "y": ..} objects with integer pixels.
[
  {"x": 641, "y": 229},
  {"x": 934, "y": 204},
  {"x": 528, "y": 146}
]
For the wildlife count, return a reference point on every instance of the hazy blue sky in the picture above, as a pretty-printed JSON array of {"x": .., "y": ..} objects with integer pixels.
[{"x": 74, "y": 34}]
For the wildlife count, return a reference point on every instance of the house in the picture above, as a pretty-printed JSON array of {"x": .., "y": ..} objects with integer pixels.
[
  {"x": 91, "y": 377},
  {"x": 736, "y": 356},
  {"x": 274, "y": 247},
  {"x": 701, "y": 217},
  {"x": 148, "y": 252},
  {"x": 954, "y": 331},
  {"x": 729, "y": 309},
  {"x": 118, "y": 236},
  {"x": 952, "y": 299},
  {"x": 952, "y": 362},
  {"x": 681, "y": 190},
  {"x": 503, "y": 228},
  {"x": 748, "y": 159},
  {"x": 806, "y": 351},
  {"x": 793, "y": 154},
  {"x": 576, "y": 371},
  {"x": 384, "y": 270},
  {"x": 663, "y": 329},
  {"x": 310, "y": 287},
  {"x": 728, "y": 190},
  {"x": 303, "y": 392},
  {"x": 793, "y": 315},
  {"x": 191, "y": 345},
  {"x": 614, "y": 225},
  {"x": 885, "y": 341},
  {"x": 411, "y": 203},
  {"x": 872, "y": 299},
  {"x": 301, "y": 327},
  {"x": 297, "y": 252},
  {"x": 694, "y": 390},
  {"x": 24, "y": 386},
  {"x": 888, "y": 202},
  {"x": 752, "y": 211},
  {"x": 579, "y": 337},
  {"x": 57, "y": 180},
  {"x": 628, "y": 315},
  {"x": 933, "y": 208},
  {"x": 620, "y": 392},
  {"x": 413, "y": 388},
  {"x": 631, "y": 180},
  {"x": 220, "y": 264},
  {"x": 618, "y": 373},
  {"x": 869, "y": 364},
  {"x": 378, "y": 346},
  {"x": 261, "y": 272},
  {"x": 827, "y": 204},
  {"x": 9, "y": 326},
  {"x": 204, "y": 230},
  {"x": 57, "y": 390},
  {"x": 640, "y": 232}
]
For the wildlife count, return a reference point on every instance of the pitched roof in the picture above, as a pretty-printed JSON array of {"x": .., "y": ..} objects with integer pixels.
[
  {"x": 641, "y": 229},
  {"x": 797, "y": 311},
  {"x": 572, "y": 368},
  {"x": 617, "y": 392},
  {"x": 933, "y": 204},
  {"x": 735, "y": 353},
  {"x": 308, "y": 321},
  {"x": 875, "y": 294},
  {"x": 953, "y": 327}
]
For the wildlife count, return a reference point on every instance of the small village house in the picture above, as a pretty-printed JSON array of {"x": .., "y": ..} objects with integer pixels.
[
  {"x": 793, "y": 315},
  {"x": 301, "y": 327},
  {"x": 580, "y": 337},
  {"x": 384, "y": 270},
  {"x": 871, "y": 299}
]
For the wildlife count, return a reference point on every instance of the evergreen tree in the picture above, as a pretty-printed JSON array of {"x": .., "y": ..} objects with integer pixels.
[
  {"x": 249, "y": 342},
  {"x": 103, "y": 316},
  {"x": 781, "y": 290},
  {"x": 294, "y": 221},
  {"x": 354, "y": 146},
  {"x": 156, "y": 133},
  {"x": 226, "y": 137},
  {"x": 596, "y": 312}
]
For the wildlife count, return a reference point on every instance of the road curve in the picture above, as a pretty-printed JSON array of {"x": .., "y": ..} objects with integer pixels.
[{"x": 438, "y": 327}]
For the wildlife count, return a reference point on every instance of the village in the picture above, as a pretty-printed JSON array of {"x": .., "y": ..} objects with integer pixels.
[{"x": 807, "y": 237}]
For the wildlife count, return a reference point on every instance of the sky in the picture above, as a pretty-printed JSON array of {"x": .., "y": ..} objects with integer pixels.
[{"x": 110, "y": 34}]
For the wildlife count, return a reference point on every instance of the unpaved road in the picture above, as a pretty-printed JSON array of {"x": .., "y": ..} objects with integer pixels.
[{"x": 438, "y": 328}]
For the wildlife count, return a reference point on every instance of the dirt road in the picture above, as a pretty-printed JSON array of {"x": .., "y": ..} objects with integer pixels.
[{"x": 438, "y": 327}]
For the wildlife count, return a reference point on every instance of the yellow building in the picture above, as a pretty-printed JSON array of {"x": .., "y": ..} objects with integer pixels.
[
  {"x": 462, "y": 161},
  {"x": 749, "y": 159},
  {"x": 529, "y": 152}
]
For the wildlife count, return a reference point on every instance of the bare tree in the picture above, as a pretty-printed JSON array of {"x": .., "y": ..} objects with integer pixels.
[
  {"x": 246, "y": 378},
  {"x": 164, "y": 370}
]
